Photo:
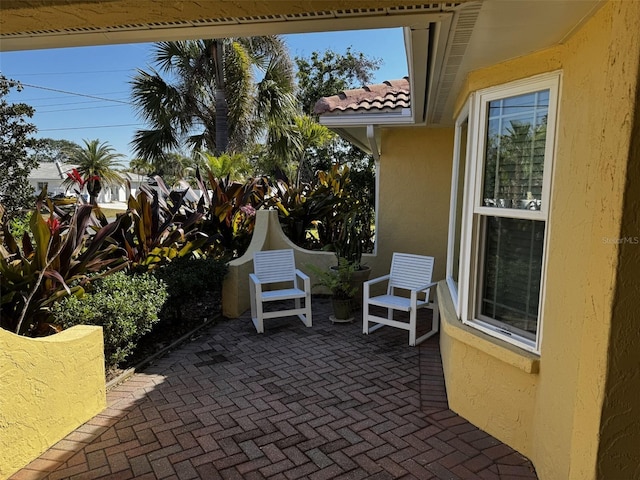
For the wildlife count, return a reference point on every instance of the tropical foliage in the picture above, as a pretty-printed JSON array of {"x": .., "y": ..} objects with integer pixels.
[
  {"x": 15, "y": 164},
  {"x": 205, "y": 95},
  {"x": 234, "y": 165},
  {"x": 57, "y": 258},
  {"x": 338, "y": 280},
  {"x": 228, "y": 209},
  {"x": 328, "y": 214}
]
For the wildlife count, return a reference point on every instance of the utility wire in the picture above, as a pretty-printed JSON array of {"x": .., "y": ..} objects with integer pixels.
[
  {"x": 67, "y": 73},
  {"x": 76, "y": 94},
  {"x": 80, "y": 108},
  {"x": 96, "y": 103},
  {"x": 86, "y": 128},
  {"x": 36, "y": 99}
]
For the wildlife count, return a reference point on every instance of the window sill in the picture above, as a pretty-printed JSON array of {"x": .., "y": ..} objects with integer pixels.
[{"x": 503, "y": 351}]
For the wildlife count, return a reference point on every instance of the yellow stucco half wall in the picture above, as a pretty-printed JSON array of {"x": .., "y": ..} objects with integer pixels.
[
  {"x": 48, "y": 387},
  {"x": 556, "y": 416}
]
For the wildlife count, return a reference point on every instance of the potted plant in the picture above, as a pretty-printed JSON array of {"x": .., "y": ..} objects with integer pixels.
[
  {"x": 339, "y": 282},
  {"x": 353, "y": 237}
]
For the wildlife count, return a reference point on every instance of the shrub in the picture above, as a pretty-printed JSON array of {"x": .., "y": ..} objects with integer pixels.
[
  {"x": 189, "y": 278},
  {"x": 19, "y": 225},
  {"x": 126, "y": 307}
]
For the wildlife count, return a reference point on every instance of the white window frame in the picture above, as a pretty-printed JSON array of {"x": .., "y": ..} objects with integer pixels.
[
  {"x": 465, "y": 296},
  {"x": 458, "y": 149}
]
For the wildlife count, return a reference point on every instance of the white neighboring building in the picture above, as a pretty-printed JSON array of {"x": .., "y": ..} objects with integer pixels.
[{"x": 51, "y": 176}]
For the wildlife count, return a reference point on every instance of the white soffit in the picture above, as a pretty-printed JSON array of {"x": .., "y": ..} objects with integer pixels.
[
  {"x": 507, "y": 29},
  {"x": 334, "y": 20}
]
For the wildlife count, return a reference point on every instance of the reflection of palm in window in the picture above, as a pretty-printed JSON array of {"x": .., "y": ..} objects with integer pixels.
[{"x": 514, "y": 156}]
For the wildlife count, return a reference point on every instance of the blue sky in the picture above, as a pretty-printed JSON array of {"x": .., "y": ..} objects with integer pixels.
[{"x": 99, "y": 77}]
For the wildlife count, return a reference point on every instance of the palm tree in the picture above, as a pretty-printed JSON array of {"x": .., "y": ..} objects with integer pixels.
[
  {"x": 96, "y": 167},
  {"x": 140, "y": 166},
  {"x": 234, "y": 165},
  {"x": 209, "y": 98}
]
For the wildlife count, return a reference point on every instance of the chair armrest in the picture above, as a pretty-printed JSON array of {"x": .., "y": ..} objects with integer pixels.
[
  {"x": 425, "y": 287},
  {"x": 377, "y": 280},
  {"x": 254, "y": 279},
  {"x": 302, "y": 275}
]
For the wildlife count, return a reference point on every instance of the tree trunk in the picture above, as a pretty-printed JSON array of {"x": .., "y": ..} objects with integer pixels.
[
  {"x": 93, "y": 189},
  {"x": 222, "y": 109}
]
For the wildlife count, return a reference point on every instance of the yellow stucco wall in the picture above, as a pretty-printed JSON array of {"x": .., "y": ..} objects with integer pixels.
[
  {"x": 48, "y": 387},
  {"x": 555, "y": 417},
  {"x": 415, "y": 185}
]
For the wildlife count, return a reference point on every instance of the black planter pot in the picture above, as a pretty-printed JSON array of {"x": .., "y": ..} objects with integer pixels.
[{"x": 342, "y": 308}]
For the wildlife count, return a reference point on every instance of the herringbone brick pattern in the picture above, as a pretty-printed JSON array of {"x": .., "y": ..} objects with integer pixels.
[{"x": 316, "y": 403}]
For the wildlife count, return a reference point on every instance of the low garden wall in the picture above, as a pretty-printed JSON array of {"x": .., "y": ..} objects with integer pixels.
[
  {"x": 48, "y": 387},
  {"x": 268, "y": 235}
]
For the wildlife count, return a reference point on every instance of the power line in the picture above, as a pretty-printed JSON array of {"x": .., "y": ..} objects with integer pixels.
[
  {"x": 68, "y": 73},
  {"x": 76, "y": 94},
  {"x": 64, "y": 104},
  {"x": 39, "y": 99},
  {"x": 80, "y": 108},
  {"x": 87, "y": 128}
]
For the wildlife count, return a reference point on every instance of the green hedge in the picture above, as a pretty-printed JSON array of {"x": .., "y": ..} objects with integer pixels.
[{"x": 125, "y": 306}]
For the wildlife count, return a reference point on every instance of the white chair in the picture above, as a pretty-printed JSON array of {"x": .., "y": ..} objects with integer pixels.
[
  {"x": 411, "y": 275},
  {"x": 276, "y": 268}
]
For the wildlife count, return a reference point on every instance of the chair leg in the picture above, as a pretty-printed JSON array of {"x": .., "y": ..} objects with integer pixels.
[
  {"x": 259, "y": 319},
  {"x": 255, "y": 317},
  {"x": 365, "y": 312},
  {"x": 412, "y": 326},
  {"x": 306, "y": 316},
  {"x": 435, "y": 327}
]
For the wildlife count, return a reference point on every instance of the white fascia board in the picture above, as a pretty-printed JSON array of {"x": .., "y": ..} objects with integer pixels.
[{"x": 343, "y": 119}]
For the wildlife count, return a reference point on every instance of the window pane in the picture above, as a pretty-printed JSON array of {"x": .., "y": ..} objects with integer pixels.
[
  {"x": 514, "y": 155},
  {"x": 512, "y": 273},
  {"x": 462, "y": 162}
]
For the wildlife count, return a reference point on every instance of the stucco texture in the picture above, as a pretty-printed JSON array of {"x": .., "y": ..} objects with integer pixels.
[
  {"x": 415, "y": 186},
  {"x": 48, "y": 387},
  {"x": 582, "y": 413}
]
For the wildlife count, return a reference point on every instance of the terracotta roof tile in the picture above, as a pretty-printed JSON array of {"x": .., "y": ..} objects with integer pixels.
[{"x": 390, "y": 95}]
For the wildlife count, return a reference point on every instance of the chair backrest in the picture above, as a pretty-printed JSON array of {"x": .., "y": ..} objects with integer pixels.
[
  {"x": 410, "y": 271},
  {"x": 271, "y": 266}
]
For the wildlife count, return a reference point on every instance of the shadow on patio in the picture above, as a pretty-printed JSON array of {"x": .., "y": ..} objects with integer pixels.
[{"x": 325, "y": 402}]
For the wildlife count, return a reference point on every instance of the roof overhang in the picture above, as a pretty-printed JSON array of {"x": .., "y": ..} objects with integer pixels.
[
  {"x": 444, "y": 41},
  {"x": 425, "y": 45},
  {"x": 443, "y": 50},
  {"x": 31, "y": 25}
]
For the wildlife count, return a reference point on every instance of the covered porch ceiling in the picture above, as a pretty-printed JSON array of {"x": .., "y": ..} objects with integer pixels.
[{"x": 443, "y": 41}]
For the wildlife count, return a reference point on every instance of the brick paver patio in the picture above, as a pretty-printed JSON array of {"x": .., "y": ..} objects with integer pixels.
[{"x": 316, "y": 403}]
